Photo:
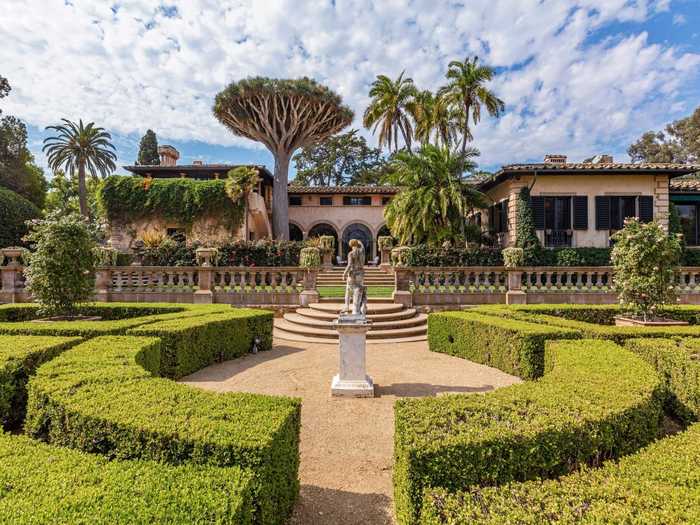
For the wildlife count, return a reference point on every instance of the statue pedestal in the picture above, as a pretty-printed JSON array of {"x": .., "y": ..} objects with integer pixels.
[{"x": 352, "y": 379}]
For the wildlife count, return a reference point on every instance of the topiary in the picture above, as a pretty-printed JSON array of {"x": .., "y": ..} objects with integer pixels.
[
  {"x": 525, "y": 234},
  {"x": 310, "y": 257},
  {"x": 15, "y": 210},
  {"x": 61, "y": 269}
]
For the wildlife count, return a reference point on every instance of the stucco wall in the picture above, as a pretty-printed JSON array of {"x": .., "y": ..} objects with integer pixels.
[{"x": 591, "y": 186}]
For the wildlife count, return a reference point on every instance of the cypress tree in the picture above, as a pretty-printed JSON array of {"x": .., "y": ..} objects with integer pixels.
[
  {"x": 525, "y": 234},
  {"x": 148, "y": 150}
]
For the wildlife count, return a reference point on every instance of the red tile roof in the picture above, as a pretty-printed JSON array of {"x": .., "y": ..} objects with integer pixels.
[{"x": 366, "y": 190}]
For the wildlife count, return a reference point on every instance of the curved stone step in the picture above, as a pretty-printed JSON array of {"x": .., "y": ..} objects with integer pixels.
[
  {"x": 282, "y": 336},
  {"x": 332, "y": 334},
  {"x": 372, "y": 308},
  {"x": 296, "y": 318},
  {"x": 331, "y": 316}
]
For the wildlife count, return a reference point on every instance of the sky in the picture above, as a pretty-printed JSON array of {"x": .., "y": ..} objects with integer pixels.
[{"x": 579, "y": 77}]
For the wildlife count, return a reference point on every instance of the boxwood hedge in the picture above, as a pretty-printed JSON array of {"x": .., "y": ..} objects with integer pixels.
[
  {"x": 678, "y": 365},
  {"x": 658, "y": 485},
  {"x": 103, "y": 396},
  {"x": 41, "y": 483},
  {"x": 516, "y": 347},
  {"x": 19, "y": 358},
  {"x": 596, "y": 401}
]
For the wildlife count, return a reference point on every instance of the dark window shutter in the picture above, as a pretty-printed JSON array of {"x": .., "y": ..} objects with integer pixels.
[
  {"x": 646, "y": 208},
  {"x": 537, "y": 204},
  {"x": 504, "y": 215},
  {"x": 581, "y": 213},
  {"x": 602, "y": 213}
]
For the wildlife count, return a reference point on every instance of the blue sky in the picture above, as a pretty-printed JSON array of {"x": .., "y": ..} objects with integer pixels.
[{"x": 579, "y": 77}]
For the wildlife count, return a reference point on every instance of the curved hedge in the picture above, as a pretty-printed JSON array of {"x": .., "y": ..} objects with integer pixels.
[
  {"x": 15, "y": 210},
  {"x": 660, "y": 484},
  {"x": 19, "y": 358},
  {"x": 103, "y": 396},
  {"x": 45, "y": 484},
  {"x": 583, "y": 411}
]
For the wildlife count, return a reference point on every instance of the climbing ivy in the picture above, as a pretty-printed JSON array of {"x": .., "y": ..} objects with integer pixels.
[{"x": 125, "y": 199}]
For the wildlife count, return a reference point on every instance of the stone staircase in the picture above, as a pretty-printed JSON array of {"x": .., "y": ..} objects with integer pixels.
[
  {"x": 373, "y": 277},
  {"x": 391, "y": 323}
]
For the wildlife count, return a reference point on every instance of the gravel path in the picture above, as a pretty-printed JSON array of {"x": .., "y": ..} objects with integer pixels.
[{"x": 347, "y": 444}]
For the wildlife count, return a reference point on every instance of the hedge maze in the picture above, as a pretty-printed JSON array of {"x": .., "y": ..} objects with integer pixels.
[
  {"x": 111, "y": 438},
  {"x": 581, "y": 442}
]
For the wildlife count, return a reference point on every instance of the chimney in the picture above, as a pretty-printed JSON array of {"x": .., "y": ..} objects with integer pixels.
[
  {"x": 555, "y": 159},
  {"x": 602, "y": 159},
  {"x": 197, "y": 163},
  {"x": 168, "y": 155}
]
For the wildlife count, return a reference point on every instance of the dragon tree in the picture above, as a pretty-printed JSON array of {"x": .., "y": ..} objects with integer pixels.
[{"x": 284, "y": 115}]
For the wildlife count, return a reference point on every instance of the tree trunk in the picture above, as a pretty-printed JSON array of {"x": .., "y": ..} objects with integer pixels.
[
  {"x": 82, "y": 191},
  {"x": 280, "y": 199}
]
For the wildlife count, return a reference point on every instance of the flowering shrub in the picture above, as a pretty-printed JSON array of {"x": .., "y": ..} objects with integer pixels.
[
  {"x": 645, "y": 259},
  {"x": 61, "y": 270}
]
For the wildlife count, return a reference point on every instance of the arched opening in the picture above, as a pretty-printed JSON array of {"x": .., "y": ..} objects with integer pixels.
[
  {"x": 324, "y": 229},
  {"x": 383, "y": 232},
  {"x": 295, "y": 233},
  {"x": 361, "y": 233}
]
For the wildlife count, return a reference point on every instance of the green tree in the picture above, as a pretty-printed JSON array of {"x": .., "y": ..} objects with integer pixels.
[
  {"x": 435, "y": 120},
  {"x": 434, "y": 200},
  {"x": 240, "y": 182},
  {"x": 466, "y": 92},
  {"x": 284, "y": 115},
  {"x": 64, "y": 195},
  {"x": 337, "y": 161},
  {"x": 645, "y": 260},
  {"x": 81, "y": 148},
  {"x": 61, "y": 270},
  {"x": 390, "y": 110},
  {"x": 15, "y": 211},
  {"x": 4, "y": 88},
  {"x": 525, "y": 233},
  {"x": 148, "y": 150},
  {"x": 679, "y": 143}
]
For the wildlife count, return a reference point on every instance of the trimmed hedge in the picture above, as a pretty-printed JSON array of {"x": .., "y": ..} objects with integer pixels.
[
  {"x": 516, "y": 347},
  {"x": 40, "y": 483},
  {"x": 678, "y": 365},
  {"x": 596, "y": 401},
  {"x": 102, "y": 396},
  {"x": 660, "y": 484},
  {"x": 19, "y": 358},
  {"x": 189, "y": 344}
]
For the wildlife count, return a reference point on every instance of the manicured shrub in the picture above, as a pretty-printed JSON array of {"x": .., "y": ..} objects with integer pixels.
[
  {"x": 61, "y": 270},
  {"x": 310, "y": 257},
  {"x": 596, "y": 401},
  {"x": 678, "y": 365},
  {"x": 189, "y": 344},
  {"x": 516, "y": 347},
  {"x": 103, "y": 396},
  {"x": 425, "y": 255},
  {"x": 19, "y": 358},
  {"x": 575, "y": 257},
  {"x": 46, "y": 484},
  {"x": 15, "y": 211},
  {"x": 660, "y": 484},
  {"x": 525, "y": 233}
]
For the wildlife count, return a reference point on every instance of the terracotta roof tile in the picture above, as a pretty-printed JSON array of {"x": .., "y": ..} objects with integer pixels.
[
  {"x": 689, "y": 185},
  {"x": 384, "y": 190}
]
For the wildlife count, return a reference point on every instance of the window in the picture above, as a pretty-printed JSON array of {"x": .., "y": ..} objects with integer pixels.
[
  {"x": 177, "y": 234},
  {"x": 612, "y": 211},
  {"x": 295, "y": 200},
  {"x": 326, "y": 201},
  {"x": 498, "y": 217},
  {"x": 688, "y": 214},
  {"x": 386, "y": 200},
  {"x": 357, "y": 201}
]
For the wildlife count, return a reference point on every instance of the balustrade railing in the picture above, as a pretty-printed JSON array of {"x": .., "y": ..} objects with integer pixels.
[
  {"x": 258, "y": 280},
  {"x": 566, "y": 279},
  {"x": 484, "y": 279}
]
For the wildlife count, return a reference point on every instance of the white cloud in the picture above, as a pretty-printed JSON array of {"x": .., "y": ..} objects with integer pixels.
[
  {"x": 679, "y": 20},
  {"x": 135, "y": 64}
]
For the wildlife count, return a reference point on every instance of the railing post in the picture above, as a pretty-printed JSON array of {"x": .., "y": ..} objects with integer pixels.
[
  {"x": 205, "y": 274},
  {"x": 310, "y": 293},
  {"x": 402, "y": 286},
  {"x": 103, "y": 284},
  {"x": 515, "y": 294},
  {"x": 11, "y": 275}
]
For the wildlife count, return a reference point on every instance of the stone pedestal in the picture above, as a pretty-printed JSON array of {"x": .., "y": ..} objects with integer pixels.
[{"x": 352, "y": 379}]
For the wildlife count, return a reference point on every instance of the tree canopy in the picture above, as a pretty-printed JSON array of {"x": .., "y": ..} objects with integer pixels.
[
  {"x": 148, "y": 150},
  {"x": 284, "y": 115},
  {"x": 679, "y": 142},
  {"x": 390, "y": 109},
  {"x": 340, "y": 160}
]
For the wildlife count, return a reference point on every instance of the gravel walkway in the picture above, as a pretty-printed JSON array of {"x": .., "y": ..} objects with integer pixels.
[{"x": 347, "y": 444}]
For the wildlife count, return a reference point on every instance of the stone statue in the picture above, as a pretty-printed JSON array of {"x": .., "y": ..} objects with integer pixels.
[{"x": 354, "y": 276}]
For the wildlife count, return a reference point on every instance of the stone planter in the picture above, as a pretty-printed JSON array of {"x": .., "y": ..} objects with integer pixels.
[{"x": 622, "y": 320}]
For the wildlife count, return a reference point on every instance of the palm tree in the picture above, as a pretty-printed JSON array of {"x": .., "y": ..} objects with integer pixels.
[
  {"x": 434, "y": 199},
  {"x": 434, "y": 119},
  {"x": 390, "y": 110},
  {"x": 82, "y": 147},
  {"x": 466, "y": 91}
]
